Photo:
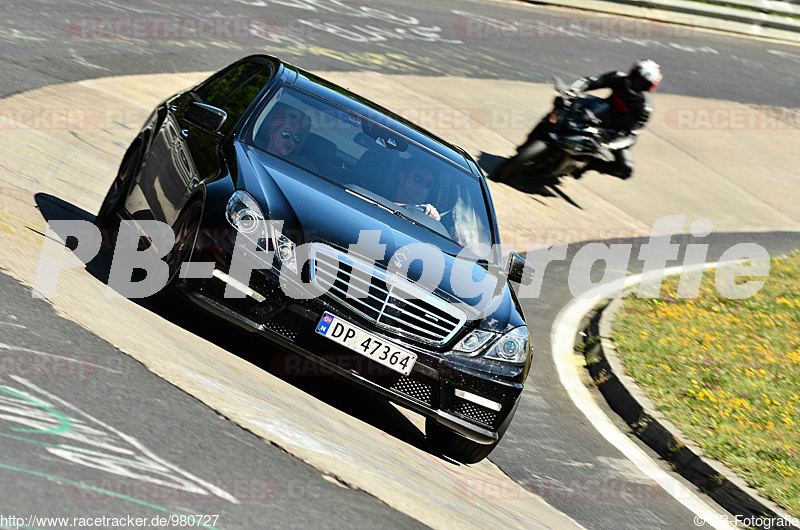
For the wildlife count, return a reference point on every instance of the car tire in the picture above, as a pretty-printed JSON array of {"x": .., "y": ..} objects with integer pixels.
[
  {"x": 107, "y": 217},
  {"x": 186, "y": 229},
  {"x": 451, "y": 444},
  {"x": 514, "y": 165}
]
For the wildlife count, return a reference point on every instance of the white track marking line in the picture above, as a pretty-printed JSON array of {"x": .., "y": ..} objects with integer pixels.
[{"x": 565, "y": 328}]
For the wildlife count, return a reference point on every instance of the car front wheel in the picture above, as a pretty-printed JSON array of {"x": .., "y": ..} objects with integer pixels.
[
  {"x": 115, "y": 198},
  {"x": 451, "y": 444},
  {"x": 186, "y": 229}
]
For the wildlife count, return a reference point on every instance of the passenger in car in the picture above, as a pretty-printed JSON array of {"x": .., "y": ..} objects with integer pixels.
[
  {"x": 414, "y": 185},
  {"x": 286, "y": 130}
]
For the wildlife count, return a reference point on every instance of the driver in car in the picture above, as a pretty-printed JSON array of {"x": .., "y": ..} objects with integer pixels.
[{"x": 415, "y": 182}]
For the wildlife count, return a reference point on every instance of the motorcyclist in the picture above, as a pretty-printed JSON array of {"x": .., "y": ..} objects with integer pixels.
[{"x": 632, "y": 104}]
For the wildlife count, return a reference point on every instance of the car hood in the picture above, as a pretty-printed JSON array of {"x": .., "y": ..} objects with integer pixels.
[{"x": 316, "y": 210}]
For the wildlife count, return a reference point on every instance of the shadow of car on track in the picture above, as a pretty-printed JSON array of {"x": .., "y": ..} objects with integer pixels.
[{"x": 290, "y": 367}]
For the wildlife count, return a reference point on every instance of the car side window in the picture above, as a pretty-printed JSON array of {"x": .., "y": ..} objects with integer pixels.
[{"x": 235, "y": 89}]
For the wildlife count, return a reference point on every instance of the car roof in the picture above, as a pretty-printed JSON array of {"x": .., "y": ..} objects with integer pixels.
[{"x": 343, "y": 97}]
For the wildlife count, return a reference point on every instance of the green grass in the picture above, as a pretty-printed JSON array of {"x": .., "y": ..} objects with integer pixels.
[{"x": 726, "y": 372}]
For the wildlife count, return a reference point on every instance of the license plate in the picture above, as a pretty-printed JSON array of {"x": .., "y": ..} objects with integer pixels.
[{"x": 361, "y": 341}]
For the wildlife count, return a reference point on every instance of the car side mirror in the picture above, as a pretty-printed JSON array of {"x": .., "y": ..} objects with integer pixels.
[
  {"x": 516, "y": 268},
  {"x": 205, "y": 117}
]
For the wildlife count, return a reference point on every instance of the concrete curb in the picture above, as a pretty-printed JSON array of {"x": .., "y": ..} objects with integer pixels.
[
  {"x": 693, "y": 14},
  {"x": 626, "y": 399}
]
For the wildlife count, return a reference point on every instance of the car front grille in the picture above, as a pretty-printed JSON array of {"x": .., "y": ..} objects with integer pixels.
[{"x": 390, "y": 302}]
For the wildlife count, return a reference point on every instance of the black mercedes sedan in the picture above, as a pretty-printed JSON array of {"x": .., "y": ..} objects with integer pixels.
[{"x": 341, "y": 232}]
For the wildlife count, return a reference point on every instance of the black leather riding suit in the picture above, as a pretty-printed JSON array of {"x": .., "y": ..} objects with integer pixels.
[{"x": 631, "y": 112}]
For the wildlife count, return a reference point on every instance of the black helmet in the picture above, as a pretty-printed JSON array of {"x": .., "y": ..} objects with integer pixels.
[{"x": 645, "y": 75}]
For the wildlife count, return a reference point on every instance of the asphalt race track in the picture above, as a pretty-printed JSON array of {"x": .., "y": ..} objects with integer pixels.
[{"x": 116, "y": 408}]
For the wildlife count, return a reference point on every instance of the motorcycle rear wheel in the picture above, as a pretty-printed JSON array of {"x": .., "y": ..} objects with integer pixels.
[{"x": 526, "y": 156}]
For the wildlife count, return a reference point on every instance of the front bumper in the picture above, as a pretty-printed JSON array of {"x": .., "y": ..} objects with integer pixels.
[{"x": 430, "y": 388}]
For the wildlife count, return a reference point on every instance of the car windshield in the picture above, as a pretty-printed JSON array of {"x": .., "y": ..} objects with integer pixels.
[{"x": 374, "y": 162}]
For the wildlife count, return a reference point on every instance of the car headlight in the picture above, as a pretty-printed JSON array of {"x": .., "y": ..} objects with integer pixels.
[
  {"x": 511, "y": 347},
  {"x": 246, "y": 216},
  {"x": 473, "y": 344}
]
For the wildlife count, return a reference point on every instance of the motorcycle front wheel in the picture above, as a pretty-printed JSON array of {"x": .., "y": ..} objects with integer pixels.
[{"x": 526, "y": 156}]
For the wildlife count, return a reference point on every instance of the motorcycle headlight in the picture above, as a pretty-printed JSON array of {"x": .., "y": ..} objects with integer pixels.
[
  {"x": 513, "y": 347},
  {"x": 246, "y": 216}
]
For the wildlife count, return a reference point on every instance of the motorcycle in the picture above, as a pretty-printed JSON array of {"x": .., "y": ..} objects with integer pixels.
[{"x": 565, "y": 141}]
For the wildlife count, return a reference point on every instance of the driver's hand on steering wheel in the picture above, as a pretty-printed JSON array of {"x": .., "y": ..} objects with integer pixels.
[{"x": 429, "y": 210}]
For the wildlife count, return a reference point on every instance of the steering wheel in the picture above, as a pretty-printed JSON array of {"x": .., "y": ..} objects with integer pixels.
[{"x": 421, "y": 209}]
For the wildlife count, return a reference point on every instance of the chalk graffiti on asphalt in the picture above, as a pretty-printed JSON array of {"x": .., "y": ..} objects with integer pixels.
[
  {"x": 363, "y": 29},
  {"x": 39, "y": 417}
]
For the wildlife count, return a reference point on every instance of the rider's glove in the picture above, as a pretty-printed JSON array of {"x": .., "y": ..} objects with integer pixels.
[{"x": 578, "y": 86}]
